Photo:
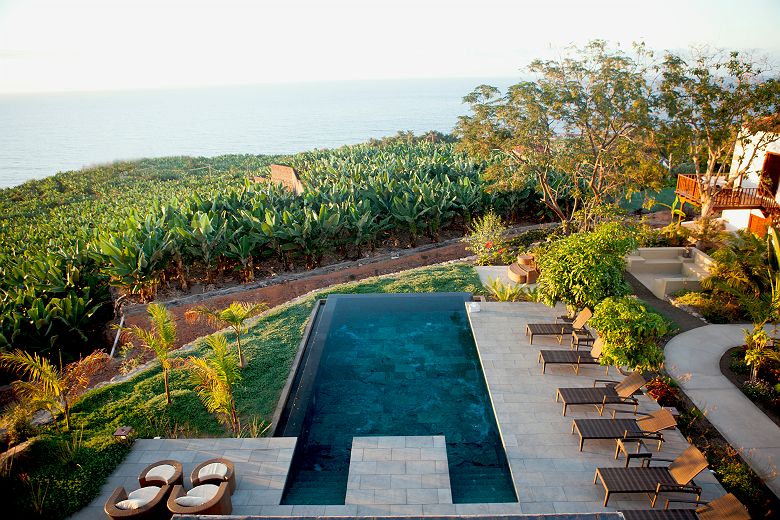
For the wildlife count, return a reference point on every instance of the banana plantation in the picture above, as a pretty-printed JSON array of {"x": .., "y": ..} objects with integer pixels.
[{"x": 66, "y": 239}]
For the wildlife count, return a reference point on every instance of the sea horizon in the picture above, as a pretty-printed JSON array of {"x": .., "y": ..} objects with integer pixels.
[{"x": 47, "y": 133}]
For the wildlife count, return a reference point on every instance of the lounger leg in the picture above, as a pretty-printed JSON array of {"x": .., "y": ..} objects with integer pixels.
[
  {"x": 582, "y": 440},
  {"x": 557, "y": 395},
  {"x": 577, "y": 368},
  {"x": 564, "y": 408},
  {"x": 572, "y": 427},
  {"x": 606, "y": 498},
  {"x": 655, "y": 496}
]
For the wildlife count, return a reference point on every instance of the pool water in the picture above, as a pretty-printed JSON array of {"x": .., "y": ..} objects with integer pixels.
[{"x": 393, "y": 365}]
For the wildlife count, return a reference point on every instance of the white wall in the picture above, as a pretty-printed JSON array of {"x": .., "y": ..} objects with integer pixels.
[
  {"x": 744, "y": 150},
  {"x": 735, "y": 218}
]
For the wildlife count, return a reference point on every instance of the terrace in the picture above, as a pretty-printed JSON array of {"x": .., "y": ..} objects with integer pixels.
[{"x": 550, "y": 474}]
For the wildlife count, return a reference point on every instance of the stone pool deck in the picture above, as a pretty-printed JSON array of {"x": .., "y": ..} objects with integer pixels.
[{"x": 550, "y": 475}]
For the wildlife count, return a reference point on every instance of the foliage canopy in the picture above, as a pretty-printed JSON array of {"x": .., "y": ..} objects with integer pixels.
[{"x": 584, "y": 268}]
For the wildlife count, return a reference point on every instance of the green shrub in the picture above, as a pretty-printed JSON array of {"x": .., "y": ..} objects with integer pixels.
[
  {"x": 739, "y": 479},
  {"x": 758, "y": 390},
  {"x": 584, "y": 268},
  {"x": 510, "y": 292},
  {"x": 631, "y": 333},
  {"x": 713, "y": 309},
  {"x": 739, "y": 366},
  {"x": 19, "y": 426},
  {"x": 485, "y": 238}
]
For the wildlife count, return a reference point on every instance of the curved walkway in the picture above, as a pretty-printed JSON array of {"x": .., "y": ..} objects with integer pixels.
[{"x": 693, "y": 359}]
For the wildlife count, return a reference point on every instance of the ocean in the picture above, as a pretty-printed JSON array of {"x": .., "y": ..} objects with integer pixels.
[{"x": 42, "y": 134}]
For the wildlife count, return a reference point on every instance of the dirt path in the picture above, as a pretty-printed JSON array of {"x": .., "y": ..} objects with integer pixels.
[{"x": 285, "y": 287}]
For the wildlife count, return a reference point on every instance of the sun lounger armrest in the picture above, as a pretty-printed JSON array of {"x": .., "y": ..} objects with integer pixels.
[
  {"x": 679, "y": 488},
  {"x": 605, "y": 381},
  {"x": 616, "y": 411},
  {"x": 642, "y": 436},
  {"x": 647, "y": 461},
  {"x": 684, "y": 501}
]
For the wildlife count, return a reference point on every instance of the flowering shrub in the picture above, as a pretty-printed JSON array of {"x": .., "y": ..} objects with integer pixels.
[
  {"x": 663, "y": 389},
  {"x": 485, "y": 238}
]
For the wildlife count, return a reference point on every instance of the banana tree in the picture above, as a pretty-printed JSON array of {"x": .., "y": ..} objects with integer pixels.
[
  {"x": 241, "y": 249},
  {"x": 134, "y": 258},
  {"x": 204, "y": 239},
  {"x": 74, "y": 311},
  {"x": 363, "y": 226},
  {"x": 408, "y": 212}
]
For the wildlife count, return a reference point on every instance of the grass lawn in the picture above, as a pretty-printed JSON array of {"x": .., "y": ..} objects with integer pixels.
[{"x": 58, "y": 480}]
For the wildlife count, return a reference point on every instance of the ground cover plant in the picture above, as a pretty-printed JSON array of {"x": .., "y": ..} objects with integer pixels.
[{"x": 66, "y": 483}]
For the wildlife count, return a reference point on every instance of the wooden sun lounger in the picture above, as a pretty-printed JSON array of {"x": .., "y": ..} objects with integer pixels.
[
  {"x": 660, "y": 514},
  {"x": 557, "y": 329},
  {"x": 727, "y": 507},
  {"x": 677, "y": 477},
  {"x": 612, "y": 393},
  {"x": 647, "y": 427},
  {"x": 572, "y": 357}
]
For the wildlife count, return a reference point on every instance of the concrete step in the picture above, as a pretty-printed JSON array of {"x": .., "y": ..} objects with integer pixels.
[
  {"x": 694, "y": 271},
  {"x": 659, "y": 253},
  {"x": 634, "y": 260},
  {"x": 662, "y": 266}
]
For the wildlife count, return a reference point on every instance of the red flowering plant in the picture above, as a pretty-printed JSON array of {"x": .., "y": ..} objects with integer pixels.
[
  {"x": 485, "y": 238},
  {"x": 663, "y": 389}
]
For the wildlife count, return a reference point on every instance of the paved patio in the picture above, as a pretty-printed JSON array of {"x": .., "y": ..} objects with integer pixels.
[
  {"x": 693, "y": 359},
  {"x": 549, "y": 473}
]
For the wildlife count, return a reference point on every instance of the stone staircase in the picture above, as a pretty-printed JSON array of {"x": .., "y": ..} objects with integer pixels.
[{"x": 666, "y": 270}]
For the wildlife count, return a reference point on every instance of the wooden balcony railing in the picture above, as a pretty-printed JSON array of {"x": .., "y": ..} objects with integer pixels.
[{"x": 689, "y": 188}]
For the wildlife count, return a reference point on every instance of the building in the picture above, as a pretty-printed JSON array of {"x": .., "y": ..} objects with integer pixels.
[{"x": 754, "y": 200}]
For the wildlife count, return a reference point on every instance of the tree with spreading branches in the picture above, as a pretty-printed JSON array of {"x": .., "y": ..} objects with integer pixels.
[
  {"x": 714, "y": 106},
  {"x": 581, "y": 129}
]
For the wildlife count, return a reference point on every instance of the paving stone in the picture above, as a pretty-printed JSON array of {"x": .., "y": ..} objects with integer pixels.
[{"x": 389, "y": 496}]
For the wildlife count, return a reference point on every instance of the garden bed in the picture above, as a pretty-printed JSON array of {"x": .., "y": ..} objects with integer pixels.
[
  {"x": 728, "y": 362},
  {"x": 732, "y": 472}
]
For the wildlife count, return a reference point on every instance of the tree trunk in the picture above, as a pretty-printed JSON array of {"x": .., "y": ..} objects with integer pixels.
[
  {"x": 167, "y": 390},
  {"x": 66, "y": 409}
]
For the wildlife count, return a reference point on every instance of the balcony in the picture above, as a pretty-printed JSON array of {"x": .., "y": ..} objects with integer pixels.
[{"x": 689, "y": 189}]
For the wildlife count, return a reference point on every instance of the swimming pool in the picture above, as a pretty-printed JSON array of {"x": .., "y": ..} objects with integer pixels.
[{"x": 392, "y": 364}]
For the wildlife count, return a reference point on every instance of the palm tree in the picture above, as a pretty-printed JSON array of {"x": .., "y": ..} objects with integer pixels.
[
  {"x": 47, "y": 387},
  {"x": 215, "y": 376},
  {"x": 159, "y": 339},
  {"x": 234, "y": 316}
]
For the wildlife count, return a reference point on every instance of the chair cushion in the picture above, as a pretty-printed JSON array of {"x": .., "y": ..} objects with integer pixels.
[
  {"x": 215, "y": 469},
  {"x": 187, "y": 501},
  {"x": 207, "y": 491},
  {"x": 161, "y": 472},
  {"x": 131, "y": 503},
  {"x": 198, "y": 495},
  {"x": 145, "y": 493}
]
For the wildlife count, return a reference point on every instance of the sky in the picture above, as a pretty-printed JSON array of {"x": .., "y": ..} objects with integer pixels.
[{"x": 86, "y": 45}]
